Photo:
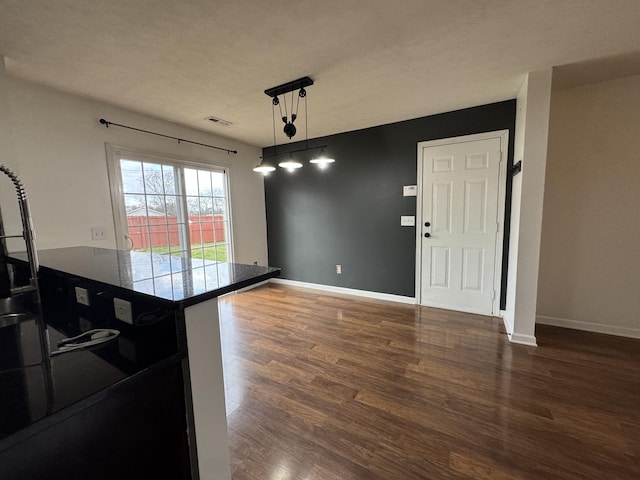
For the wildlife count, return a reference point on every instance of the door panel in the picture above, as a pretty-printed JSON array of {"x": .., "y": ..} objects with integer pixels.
[
  {"x": 439, "y": 267},
  {"x": 475, "y": 206},
  {"x": 441, "y": 218},
  {"x": 460, "y": 203}
]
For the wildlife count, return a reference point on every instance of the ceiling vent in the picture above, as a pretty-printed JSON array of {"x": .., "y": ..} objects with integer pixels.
[{"x": 219, "y": 121}]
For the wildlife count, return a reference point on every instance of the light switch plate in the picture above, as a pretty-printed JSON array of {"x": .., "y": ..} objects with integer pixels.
[
  {"x": 408, "y": 221},
  {"x": 410, "y": 191}
]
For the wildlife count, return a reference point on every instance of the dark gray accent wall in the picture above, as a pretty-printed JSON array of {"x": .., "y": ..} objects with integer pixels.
[{"x": 349, "y": 214}]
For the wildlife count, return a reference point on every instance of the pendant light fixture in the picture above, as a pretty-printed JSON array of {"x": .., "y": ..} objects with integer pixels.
[
  {"x": 290, "y": 164},
  {"x": 289, "y": 118},
  {"x": 322, "y": 160},
  {"x": 264, "y": 167}
]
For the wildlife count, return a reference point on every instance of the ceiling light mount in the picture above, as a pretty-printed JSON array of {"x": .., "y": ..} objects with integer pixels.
[
  {"x": 298, "y": 84},
  {"x": 289, "y": 128}
]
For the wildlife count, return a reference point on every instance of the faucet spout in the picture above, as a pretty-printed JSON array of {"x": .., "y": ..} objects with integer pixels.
[{"x": 27, "y": 231}]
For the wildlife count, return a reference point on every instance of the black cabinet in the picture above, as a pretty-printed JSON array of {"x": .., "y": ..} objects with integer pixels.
[{"x": 135, "y": 430}]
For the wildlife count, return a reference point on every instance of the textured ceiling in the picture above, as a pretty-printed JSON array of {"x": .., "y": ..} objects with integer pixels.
[{"x": 373, "y": 61}]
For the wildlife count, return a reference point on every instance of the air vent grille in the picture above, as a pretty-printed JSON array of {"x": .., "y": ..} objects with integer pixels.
[{"x": 219, "y": 121}]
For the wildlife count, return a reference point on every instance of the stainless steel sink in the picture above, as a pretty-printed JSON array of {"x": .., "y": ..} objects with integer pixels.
[
  {"x": 14, "y": 310},
  {"x": 7, "y": 319}
]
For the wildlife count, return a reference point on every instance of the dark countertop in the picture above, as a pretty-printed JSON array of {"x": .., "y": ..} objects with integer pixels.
[
  {"x": 34, "y": 391},
  {"x": 183, "y": 280}
]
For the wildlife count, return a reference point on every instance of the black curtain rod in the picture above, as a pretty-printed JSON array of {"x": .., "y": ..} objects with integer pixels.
[{"x": 107, "y": 123}]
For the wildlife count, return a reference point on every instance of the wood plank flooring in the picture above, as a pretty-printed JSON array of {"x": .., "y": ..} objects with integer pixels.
[{"x": 323, "y": 387}]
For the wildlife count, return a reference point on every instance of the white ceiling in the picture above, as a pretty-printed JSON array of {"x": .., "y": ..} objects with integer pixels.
[{"x": 373, "y": 61}]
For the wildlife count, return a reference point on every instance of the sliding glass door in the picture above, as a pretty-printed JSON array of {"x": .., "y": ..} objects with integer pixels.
[{"x": 171, "y": 207}]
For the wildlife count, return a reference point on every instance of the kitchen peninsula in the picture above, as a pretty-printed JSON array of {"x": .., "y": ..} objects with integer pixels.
[{"x": 152, "y": 398}]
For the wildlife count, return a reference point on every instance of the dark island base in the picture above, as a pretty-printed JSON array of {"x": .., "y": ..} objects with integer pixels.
[{"x": 136, "y": 432}]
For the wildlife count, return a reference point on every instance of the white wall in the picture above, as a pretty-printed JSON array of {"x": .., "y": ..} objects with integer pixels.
[
  {"x": 58, "y": 148},
  {"x": 532, "y": 123},
  {"x": 7, "y": 192},
  {"x": 590, "y": 257}
]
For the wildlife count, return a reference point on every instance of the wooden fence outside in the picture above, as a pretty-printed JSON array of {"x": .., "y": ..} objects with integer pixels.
[{"x": 162, "y": 231}]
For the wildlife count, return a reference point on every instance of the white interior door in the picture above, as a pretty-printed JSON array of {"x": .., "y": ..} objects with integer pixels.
[{"x": 460, "y": 223}]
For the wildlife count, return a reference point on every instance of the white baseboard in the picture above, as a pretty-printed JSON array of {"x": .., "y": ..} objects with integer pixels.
[
  {"x": 523, "y": 339},
  {"x": 348, "y": 291},
  {"x": 588, "y": 326}
]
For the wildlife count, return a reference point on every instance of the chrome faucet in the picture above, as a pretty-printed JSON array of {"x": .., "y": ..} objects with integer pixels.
[{"x": 27, "y": 233}]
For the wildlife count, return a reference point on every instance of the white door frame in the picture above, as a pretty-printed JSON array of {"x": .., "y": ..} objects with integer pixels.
[{"x": 502, "y": 183}]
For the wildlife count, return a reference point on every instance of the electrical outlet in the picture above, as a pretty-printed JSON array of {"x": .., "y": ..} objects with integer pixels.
[
  {"x": 339, "y": 269},
  {"x": 98, "y": 233},
  {"x": 122, "y": 310},
  {"x": 82, "y": 296},
  {"x": 84, "y": 324}
]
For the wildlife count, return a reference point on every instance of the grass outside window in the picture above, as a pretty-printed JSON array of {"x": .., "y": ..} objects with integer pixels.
[{"x": 216, "y": 252}]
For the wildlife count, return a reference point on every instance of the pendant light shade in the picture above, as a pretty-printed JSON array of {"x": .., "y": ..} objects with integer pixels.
[
  {"x": 322, "y": 161},
  {"x": 264, "y": 168},
  {"x": 290, "y": 164}
]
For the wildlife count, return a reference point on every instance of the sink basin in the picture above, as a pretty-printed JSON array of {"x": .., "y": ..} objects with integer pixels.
[
  {"x": 15, "y": 310},
  {"x": 7, "y": 319}
]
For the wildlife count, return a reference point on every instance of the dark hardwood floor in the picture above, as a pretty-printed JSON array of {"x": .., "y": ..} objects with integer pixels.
[{"x": 335, "y": 387}]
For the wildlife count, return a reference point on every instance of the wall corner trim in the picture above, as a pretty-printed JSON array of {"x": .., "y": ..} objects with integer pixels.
[
  {"x": 520, "y": 339},
  {"x": 508, "y": 327},
  {"x": 347, "y": 291}
]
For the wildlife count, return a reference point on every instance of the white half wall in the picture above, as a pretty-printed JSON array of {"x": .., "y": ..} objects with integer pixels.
[
  {"x": 532, "y": 128},
  {"x": 56, "y": 144},
  {"x": 590, "y": 260}
]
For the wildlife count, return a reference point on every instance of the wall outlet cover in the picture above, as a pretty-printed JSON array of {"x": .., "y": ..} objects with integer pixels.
[
  {"x": 98, "y": 233},
  {"x": 82, "y": 296},
  {"x": 122, "y": 310}
]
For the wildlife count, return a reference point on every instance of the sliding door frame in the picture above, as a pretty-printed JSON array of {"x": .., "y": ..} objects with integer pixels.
[{"x": 115, "y": 152}]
